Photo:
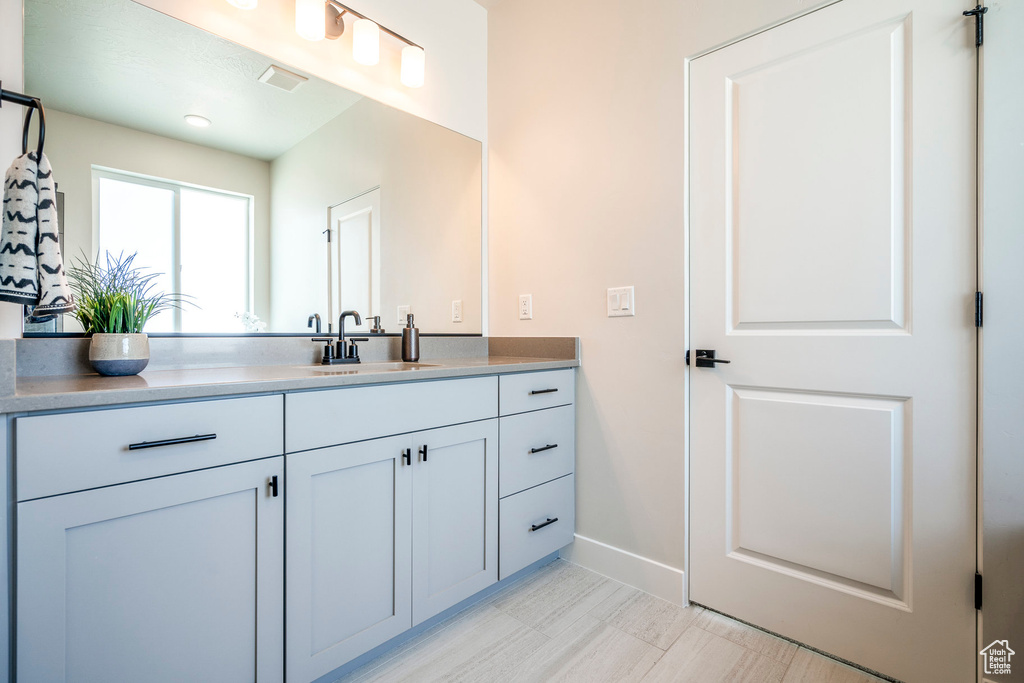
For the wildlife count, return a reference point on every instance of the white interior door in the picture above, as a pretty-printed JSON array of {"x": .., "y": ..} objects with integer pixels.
[
  {"x": 832, "y": 256},
  {"x": 355, "y": 257}
]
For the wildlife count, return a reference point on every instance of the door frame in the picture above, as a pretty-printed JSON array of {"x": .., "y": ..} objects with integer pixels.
[{"x": 687, "y": 307}]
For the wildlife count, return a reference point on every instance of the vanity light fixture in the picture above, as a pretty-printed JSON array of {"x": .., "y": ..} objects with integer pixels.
[
  {"x": 413, "y": 63},
  {"x": 319, "y": 19},
  {"x": 366, "y": 42},
  {"x": 197, "y": 121},
  {"x": 309, "y": 19},
  {"x": 244, "y": 4}
]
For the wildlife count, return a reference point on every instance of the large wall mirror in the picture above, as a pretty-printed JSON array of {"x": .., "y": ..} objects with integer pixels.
[{"x": 297, "y": 198}]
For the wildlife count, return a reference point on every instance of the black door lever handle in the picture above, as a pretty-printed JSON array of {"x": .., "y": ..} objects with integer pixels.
[{"x": 705, "y": 358}]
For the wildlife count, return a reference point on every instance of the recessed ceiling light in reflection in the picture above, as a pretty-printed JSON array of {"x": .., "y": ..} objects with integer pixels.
[{"x": 197, "y": 121}]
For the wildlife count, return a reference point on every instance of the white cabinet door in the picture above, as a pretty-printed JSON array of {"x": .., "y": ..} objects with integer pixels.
[
  {"x": 348, "y": 553},
  {"x": 170, "y": 579},
  {"x": 455, "y": 515}
]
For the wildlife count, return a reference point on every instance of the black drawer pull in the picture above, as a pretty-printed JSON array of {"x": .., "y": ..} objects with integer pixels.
[
  {"x": 171, "y": 442},
  {"x": 272, "y": 485},
  {"x": 423, "y": 453},
  {"x": 541, "y": 526},
  {"x": 543, "y": 391},
  {"x": 407, "y": 456},
  {"x": 543, "y": 448}
]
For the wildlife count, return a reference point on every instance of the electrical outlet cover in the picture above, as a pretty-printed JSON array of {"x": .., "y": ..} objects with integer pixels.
[
  {"x": 526, "y": 307},
  {"x": 457, "y": 311},
  {"x": 403, "y": 314}
]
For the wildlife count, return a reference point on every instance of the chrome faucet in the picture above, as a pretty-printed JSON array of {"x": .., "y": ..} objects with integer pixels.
[{"x": 316, "y": 317}]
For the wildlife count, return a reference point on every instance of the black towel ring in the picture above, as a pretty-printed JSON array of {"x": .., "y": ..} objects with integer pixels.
[
  {"x": 32, "y": 103},
  {"x": 36, "y": 104}
]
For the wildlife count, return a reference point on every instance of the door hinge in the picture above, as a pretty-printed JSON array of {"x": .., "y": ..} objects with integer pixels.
[
  {"x": 979, "y": 23},
  {"x": 977, "y": 591},
  {"x": 979, "y": 309}
]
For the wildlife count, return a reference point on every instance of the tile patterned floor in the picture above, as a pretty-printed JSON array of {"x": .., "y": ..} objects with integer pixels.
[{"x": 565, "y": 623}]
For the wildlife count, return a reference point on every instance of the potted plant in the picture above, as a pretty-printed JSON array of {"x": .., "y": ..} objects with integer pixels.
[{"x": 114, "y": 303}]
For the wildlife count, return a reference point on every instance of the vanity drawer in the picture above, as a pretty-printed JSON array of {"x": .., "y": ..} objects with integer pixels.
[
  {"x": 335, "y": 416},
  {"x": 525, "y": 391},
  {"x": 76, "y": 451},
  {"x": 520, "y": 541},
  {"x": 535, "y": 447}
]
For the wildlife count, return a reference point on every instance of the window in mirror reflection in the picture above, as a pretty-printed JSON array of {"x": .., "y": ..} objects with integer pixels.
[{"x": 199, "y": 238}]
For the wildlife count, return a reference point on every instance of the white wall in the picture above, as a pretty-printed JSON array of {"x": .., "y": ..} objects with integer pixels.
[
  {"x": 586, "y": 113},
  {"x": 430, "y": 217},
  {"x": 12, "y": 75},
  {"x": 75, "y": 144}
]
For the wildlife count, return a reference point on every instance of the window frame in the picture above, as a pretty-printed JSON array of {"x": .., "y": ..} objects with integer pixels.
[{"x": 176, "y": 186}]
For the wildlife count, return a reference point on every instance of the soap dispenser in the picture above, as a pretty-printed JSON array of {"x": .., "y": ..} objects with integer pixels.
[{"x": 410, "y": 342}]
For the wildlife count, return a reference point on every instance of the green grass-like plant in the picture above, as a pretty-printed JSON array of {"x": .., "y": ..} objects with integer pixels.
[{"x": 119, "y": 298}]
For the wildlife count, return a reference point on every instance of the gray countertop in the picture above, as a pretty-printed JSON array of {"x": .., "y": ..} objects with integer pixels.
[{"x": 61, "y": 392}]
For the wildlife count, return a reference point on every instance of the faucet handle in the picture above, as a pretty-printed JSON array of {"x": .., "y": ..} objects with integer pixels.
[
  {"x": 328, "y": 349},
  {"x": 353, "y": 350}
]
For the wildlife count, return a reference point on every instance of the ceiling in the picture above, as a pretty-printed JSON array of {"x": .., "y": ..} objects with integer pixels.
[
  {"x": 122, "y": 63},
  {"x": 487, "y": 4}
]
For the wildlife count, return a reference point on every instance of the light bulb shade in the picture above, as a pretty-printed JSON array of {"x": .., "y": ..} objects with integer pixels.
[
  {"x": 310, "y": 19},
  {"x": 244, "y": 4},
  {"x": 365, "y": 42},
  {"x": 413, "y": 63}
]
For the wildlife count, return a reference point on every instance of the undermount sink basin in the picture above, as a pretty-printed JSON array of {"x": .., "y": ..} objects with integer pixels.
[{"x": 384, "y": 366}]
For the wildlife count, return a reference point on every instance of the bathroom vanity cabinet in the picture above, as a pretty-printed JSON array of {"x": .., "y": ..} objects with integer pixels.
[
  {"x": 126, "y": 560},
  {"x": 538, "y": 455},
  {"x": 403, "y": 527},
  {"x": 278, "y": 536}
]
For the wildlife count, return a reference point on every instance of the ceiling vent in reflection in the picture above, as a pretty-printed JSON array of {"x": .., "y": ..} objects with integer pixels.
[{"x": 282, "y": 78}]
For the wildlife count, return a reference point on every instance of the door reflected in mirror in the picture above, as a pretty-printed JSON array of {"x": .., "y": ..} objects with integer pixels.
[
  {"x": 290, "y": 202},
  {"x": 354, "y": 256}
]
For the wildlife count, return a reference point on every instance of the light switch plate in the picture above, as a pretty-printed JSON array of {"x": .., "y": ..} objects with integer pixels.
[
  {"x": 403, "y": 314},
  {"x": 621, "y": 302},
  {"x": 526, "y": 307},
  {"x": 457, "y": 311}
]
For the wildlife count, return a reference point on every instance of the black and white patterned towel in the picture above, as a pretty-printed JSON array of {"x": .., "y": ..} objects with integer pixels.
[{"x": 31, "y": 268}]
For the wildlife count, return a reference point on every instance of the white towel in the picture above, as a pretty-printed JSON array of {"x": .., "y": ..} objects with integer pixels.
[{"x": 31, "y": 268}]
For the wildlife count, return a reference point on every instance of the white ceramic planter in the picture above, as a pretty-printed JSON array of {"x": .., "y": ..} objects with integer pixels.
[{"x": 119, "y": 354}]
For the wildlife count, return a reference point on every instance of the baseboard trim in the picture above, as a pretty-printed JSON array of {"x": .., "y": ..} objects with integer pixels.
[{"x": 660, "y": 580}]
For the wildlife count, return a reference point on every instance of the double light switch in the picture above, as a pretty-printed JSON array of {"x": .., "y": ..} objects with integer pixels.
[{"x": 621, "y": 302}]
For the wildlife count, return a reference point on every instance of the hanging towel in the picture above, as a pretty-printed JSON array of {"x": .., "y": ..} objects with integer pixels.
[{"x": 31, "y": 268}]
